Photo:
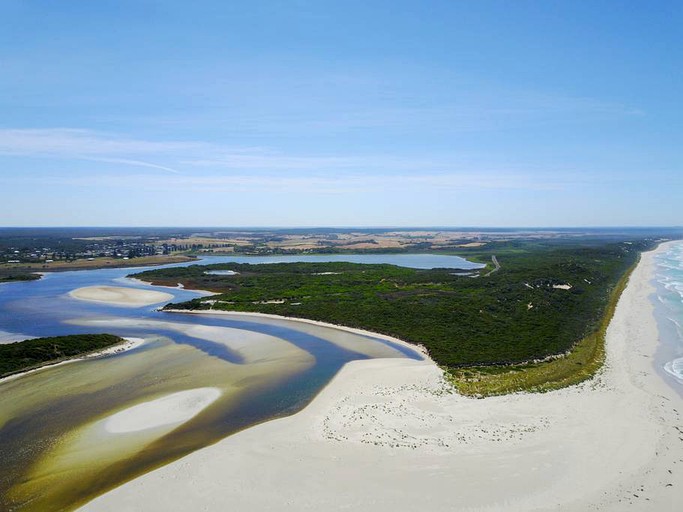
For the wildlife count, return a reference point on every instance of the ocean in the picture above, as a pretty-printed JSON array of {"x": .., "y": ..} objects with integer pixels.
[{"x": 668, "y": 302}]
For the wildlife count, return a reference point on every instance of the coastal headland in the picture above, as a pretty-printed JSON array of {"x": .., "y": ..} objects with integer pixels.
[
  {"x": 538, "y": 324},
  {"x": 392, "y": 435}
]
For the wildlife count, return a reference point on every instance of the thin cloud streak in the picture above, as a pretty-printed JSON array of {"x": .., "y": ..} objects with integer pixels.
[
  {"x": 75, "y": 144},
  {"x": 316, "y": 184},
  {"x": 69, "y": 141},
  {"x": 134, "y": 163},
  {"x": 209, "y": 166},
  {"x": 66, "y": 143}
]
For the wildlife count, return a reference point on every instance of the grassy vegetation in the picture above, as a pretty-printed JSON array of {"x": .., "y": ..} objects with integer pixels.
[
  {"x": 581, "y": 363},
  {"x": 494, "y": 334},
  {"x": 30, "y": 354}
]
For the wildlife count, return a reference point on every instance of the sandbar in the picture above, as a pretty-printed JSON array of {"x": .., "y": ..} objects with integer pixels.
[
  {"x": 172, "y": 409},
  {"x": 120, "y": 296},
  {"x": 340, "y": 335}
]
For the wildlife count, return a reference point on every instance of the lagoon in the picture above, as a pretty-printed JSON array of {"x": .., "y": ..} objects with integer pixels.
[{"x": 59, "y": 448}]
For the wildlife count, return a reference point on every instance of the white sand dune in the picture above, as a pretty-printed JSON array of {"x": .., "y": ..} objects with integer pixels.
[
  {"x": 172, "y": 409},
  {"x": 387, "y": 435},
  {"x": 120, "y": 296}
]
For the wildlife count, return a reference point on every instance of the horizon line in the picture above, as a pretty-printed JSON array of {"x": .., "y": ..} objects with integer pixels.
[{"x": 265, "y": 227}]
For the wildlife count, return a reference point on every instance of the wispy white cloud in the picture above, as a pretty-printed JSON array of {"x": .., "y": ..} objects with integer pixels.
[
  {"x": 67, "y": 143},
  {"x": 346, "y": 184},
  {"x": 213, "y": 167},
  {"x": 273, "y": 161},
  {"x": 135, "y": 163},
  {"x": 200, "y": 157}
]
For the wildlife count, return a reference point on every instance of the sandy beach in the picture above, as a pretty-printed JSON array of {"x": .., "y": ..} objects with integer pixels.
[
  {"x": 120, "y": 296},
  {"x": 390, "y": 435}
]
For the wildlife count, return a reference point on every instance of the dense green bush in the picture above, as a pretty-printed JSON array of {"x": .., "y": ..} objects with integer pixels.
[
  {"x": 24, "y": 355},
  {"x": 8, "y": 277},
  {"x": 514, "y": 315}
]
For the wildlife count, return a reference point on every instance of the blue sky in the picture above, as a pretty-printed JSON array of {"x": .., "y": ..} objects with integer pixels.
[{"x": 315, "y": 113}]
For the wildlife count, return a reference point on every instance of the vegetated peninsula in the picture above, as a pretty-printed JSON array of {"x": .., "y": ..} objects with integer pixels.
[
  {"x": 35, "y": 353},
  {"x": 536, "y": 323}
]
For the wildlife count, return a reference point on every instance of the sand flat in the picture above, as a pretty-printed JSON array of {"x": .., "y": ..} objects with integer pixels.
[
  {"x": 172, "y": 409},
  {"x": 388, "y": 435},
  {"x": 120, "y": 296}
]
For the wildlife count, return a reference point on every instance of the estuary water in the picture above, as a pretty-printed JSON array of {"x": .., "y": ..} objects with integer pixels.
[
  {"x": 669, "y": 310},
  {"x": 423, "y": 261},
  {"x": 71, "y": 432}
]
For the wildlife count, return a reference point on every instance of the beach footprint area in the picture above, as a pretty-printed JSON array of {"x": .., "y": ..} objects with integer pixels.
[{"x": 72, "y": 432}]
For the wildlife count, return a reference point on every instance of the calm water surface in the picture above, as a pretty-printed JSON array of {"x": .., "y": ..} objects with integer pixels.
[{"x": 56, "y": 453}]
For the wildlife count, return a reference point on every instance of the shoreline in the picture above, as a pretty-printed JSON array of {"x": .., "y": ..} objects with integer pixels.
[
  {"x": 420, "y": 349},
  {"x": 388, "y": 432},
  {"x": 129, "y": 344},
  {"x": 83, "y": 264},
  {"x": 179, "y": 286}
]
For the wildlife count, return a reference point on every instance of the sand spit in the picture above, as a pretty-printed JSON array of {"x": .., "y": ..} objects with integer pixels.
[
  {"x": 119, "y": 296},
  {"x": 179, "y": 286},
  {"x": 252, "y": 347},
  {"x": 389, "y": 435},
  {"x": 335, "y": 335}
]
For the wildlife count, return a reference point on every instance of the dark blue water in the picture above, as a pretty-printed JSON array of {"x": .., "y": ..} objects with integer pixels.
[{"x": 41, "y": 308}]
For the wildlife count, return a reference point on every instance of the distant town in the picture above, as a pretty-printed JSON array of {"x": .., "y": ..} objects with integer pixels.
[
  {"x": 46, "y": 246},
  {"x": 120, "y": 249}
]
